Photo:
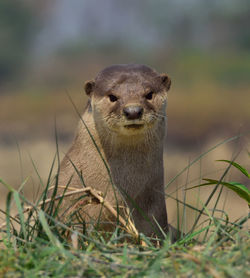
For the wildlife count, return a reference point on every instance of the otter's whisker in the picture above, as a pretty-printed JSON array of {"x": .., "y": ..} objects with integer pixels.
[{"x": 160, "y": 115}]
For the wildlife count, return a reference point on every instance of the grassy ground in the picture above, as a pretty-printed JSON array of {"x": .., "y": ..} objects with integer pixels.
[
  {"x": 36, "y": 244},
  {"x": 110, "y": 259}
]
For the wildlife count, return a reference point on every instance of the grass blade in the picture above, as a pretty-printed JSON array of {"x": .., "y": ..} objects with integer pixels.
[
  {"x": 237, "y": 166},
  {"x": 100, "y": 154},
  {"x": 44, "y": 195},
  {"x": 8, "y": 203},
  {"x": 36, "y": 170},
  {"x": 20, "y": 212},
  {"x": 237, "y": 187},
  {"x": 10, "y": 188},
  {"x": 47, "y": 230}
]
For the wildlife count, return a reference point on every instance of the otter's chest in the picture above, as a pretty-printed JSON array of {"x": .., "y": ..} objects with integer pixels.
[{"x": 133, "y": 172}]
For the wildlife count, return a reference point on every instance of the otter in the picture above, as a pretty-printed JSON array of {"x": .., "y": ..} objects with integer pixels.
[{"x": 118, "y": 148}]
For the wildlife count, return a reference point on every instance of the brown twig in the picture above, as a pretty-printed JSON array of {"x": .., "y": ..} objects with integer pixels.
[{"x": 128, "y": 225}]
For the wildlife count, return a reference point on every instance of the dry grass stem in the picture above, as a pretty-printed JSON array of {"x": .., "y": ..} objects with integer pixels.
[{"x": 128, "y": 225}]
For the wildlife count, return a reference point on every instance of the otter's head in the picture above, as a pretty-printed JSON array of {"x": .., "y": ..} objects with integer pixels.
[{"x": 128, "y": 99}]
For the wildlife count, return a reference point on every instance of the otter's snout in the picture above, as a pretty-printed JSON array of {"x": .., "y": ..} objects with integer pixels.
[{"x": 133, "y": 112}]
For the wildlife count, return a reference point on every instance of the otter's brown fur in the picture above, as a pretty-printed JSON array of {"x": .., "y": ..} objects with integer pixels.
[{"x": 126, "y": 118}]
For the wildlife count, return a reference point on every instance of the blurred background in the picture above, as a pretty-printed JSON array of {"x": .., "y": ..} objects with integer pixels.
[{"x": 49, "y": 48}]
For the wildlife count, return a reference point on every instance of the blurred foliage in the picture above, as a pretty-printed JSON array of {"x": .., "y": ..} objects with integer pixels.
[
  {"x": 17, "y": 23},
  {"x": 204, "y": 40},
  {"x": 229, "y": 69}
]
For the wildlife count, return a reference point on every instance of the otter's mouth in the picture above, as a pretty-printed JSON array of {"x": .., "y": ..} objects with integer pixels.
[{"x": 134, "y": 126}]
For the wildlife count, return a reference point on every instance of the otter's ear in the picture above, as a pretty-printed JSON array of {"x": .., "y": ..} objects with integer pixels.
[
  {"x": 89, "y": 86},
  {"x": 166, "y": 81}
]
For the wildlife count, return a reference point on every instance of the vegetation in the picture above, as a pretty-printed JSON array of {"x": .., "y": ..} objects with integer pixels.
[
  {"x": 17, "y": 23},
  {"x": 36, "y": 244},
  {"x": 109, "y": 259},
  {"x": 237, "y": 187}
]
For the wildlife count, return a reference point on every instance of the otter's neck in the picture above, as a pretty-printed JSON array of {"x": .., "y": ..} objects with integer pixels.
[{"x": 143, "y": 144}]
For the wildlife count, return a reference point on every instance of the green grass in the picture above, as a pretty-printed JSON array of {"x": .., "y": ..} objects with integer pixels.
[
  {"x": 36, "y": 244},
  {"x": 44, "y": 259}
]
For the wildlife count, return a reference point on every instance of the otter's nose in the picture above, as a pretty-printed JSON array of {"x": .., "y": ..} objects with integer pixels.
[{"x": 133, "y": 112}]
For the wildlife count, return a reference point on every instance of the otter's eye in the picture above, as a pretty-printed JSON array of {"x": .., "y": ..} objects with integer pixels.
[
  {"x": 149, "y": 96},
  {"x": 113, "y": 98}
]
